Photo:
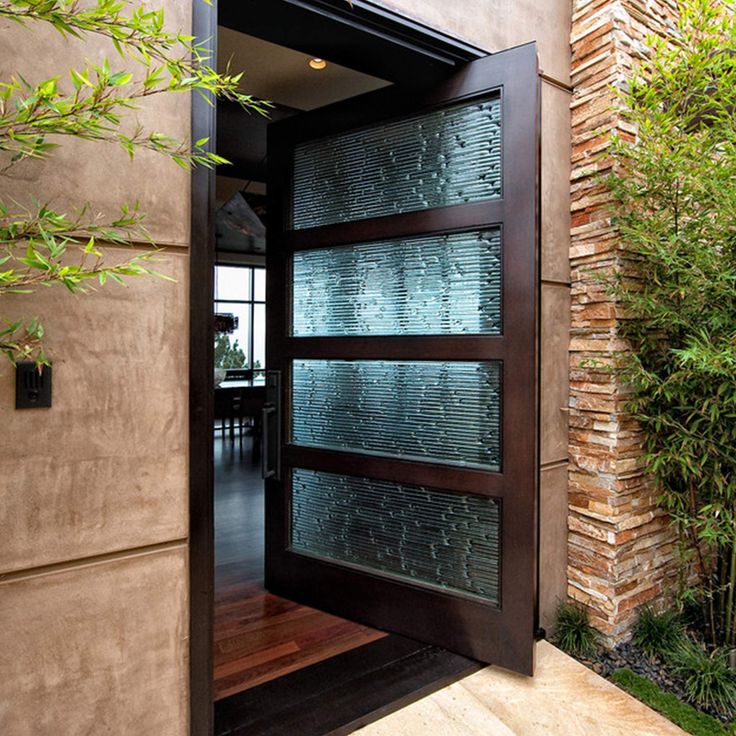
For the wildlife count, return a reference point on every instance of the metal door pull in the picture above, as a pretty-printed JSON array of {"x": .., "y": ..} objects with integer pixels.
[{"x": 267, "y": 411}]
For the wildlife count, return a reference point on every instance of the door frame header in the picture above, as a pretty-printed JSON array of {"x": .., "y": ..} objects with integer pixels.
[{"x": 362, "y": 35}]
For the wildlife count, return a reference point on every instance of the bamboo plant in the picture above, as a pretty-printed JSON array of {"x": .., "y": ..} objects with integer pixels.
[
  {"x": 40, "y": 246},
  {"x": 675, "y": 206}
]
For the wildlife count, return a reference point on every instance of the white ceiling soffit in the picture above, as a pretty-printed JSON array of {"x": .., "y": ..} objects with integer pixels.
[{"x": 282, "y": 75}]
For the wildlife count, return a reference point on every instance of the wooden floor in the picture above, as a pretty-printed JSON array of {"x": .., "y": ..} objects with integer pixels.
[
  {"x": 259, "y": 636},
  {"x": 342, "y": 693}
]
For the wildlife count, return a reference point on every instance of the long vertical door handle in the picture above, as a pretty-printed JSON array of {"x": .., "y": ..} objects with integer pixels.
[{"x": 267, "y": 411}]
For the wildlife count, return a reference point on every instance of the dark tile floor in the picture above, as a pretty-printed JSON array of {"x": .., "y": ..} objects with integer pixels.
[{"x": 239, "y": 512}]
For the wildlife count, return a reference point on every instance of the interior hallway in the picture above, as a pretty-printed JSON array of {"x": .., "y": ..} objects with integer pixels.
[{"x": 258, "y": 636}]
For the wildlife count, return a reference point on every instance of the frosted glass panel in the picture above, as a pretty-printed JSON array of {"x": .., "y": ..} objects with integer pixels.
[
  {"x": 434, "y": 537},
  {"x": 447, "y": 412},
  {"x": 428, "y": 285},
  {"x": 435, "y": 159}
]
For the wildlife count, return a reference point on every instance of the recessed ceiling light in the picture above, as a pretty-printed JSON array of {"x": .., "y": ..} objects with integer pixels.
[{"x": 317, "y": 63}]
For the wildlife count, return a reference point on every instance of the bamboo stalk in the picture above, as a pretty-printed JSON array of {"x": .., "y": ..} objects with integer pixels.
[{"x": 729, "y": 633}]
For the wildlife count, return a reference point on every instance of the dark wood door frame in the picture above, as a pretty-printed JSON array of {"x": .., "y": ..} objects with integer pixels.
[
  {"x": 374, "y": 33},
  {"x": 201, "y": 406}
]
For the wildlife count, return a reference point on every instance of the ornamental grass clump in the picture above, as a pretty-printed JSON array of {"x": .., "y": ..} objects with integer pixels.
[
  {"x": 709, "y": 680},
  {"x": 673, "y": 179},
  {"x": 573, "y": 632},
  {"x": 658, "y": 634}
]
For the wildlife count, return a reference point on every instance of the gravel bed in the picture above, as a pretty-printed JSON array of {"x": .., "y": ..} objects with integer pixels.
[{"x": 655, "y": 669}]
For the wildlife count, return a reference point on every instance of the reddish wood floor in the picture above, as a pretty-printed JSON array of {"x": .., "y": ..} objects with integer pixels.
[{"x": 259, "y": 636}]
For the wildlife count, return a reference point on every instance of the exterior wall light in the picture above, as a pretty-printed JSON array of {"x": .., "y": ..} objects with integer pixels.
[{"x": 317, "y": 63}]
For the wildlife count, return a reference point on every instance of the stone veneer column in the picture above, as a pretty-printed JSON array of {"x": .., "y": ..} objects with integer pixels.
[{"x": 620, "y": 545}]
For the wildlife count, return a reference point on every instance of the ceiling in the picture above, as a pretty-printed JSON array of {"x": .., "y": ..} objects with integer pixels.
[{"x": 284, "y": 76}]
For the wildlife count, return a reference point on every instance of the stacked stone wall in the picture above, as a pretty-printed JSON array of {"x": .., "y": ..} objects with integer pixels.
[{"x": 621, "y": 547}]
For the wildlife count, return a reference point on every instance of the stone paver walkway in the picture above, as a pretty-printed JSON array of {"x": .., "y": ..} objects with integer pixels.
[{"x": 564, "y": 698}]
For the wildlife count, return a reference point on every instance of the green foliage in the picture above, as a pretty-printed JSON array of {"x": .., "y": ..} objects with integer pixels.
[
  {"x": 228, "y": 355},
  {"x": 709, "y": 680},
  {"x": 573, "y": 632},
  {"x": 681, "y": 714},
  {"x": 44, "y": 247},
  {"x": 674, "y": 186},
  {"x": 40, "y": 246},
  {"x": 658, "y": 633}
]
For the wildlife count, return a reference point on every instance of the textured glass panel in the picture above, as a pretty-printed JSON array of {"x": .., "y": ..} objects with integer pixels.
[
  {"x": 424, "y": 410},
  {"x": 435, "y": 159},
  {"x": 443, "y": 539},
  {"x": 429, "y": 285}
]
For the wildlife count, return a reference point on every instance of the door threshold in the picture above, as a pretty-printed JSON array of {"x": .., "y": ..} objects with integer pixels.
[{"x": 342, "y": 693}]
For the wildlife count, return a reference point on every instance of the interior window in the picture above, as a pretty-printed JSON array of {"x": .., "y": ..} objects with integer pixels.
[{"x": 240, "y": 291}]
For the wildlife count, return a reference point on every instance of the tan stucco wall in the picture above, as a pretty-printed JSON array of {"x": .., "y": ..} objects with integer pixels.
[
  {"x": 93, "y": 496},
  {"x": 102, "y": 173},
  {"x": 96, "y": 648},
  {"x": 494, "y": 25},
  {"x": 104, "y": 469},
  {"x": 554, "y": 343}
]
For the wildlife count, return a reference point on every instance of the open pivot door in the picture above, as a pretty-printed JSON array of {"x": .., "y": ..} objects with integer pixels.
[{"x": 401, "y": 429}]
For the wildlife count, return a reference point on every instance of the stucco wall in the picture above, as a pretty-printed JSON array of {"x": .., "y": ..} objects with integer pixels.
[
  {"x": 500, "y": 24},
  {"x": 93, "y": 497}
]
